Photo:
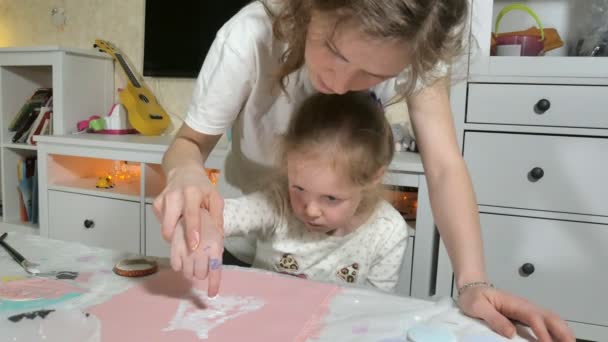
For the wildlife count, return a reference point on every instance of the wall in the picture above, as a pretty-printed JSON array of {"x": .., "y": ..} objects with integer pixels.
[{"x": 29, "y": 22}]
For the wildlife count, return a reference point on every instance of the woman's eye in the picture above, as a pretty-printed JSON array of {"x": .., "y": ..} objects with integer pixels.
[
  {"x": 334, "y": 51},
  {"x": 298, "y": 188}
]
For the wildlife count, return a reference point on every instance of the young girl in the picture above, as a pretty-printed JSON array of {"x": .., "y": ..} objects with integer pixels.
[
  {"x": 275, "y": 53},
  {"x": 325, "y": 220}
]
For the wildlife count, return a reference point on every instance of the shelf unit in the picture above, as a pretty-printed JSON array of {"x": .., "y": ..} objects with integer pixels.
[
  {"x": 559, "y": 66},
  {"x": 83, "y": 85},
  {"x": 537, "y": 170}
]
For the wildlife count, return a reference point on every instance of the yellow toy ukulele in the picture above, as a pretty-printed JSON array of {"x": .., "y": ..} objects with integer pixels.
[{"x": 144, "y": 112}]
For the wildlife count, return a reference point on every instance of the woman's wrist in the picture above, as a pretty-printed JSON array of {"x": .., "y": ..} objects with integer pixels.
[
  {"x": 473, "y": 284},
  {"x": 189, "y": 167},
  {"x": 463, "y": 278}
]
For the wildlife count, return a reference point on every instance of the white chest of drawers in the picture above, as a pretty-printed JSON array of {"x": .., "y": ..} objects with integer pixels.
[
  {"x": 534, "y": 135},
  {"x": 541, "y": 183}
]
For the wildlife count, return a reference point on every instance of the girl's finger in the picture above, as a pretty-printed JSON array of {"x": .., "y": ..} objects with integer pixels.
[
  {"x": 176, "y": 258},
  {"x": 172, "y": 205},
  {"x": 188, "y": 266},
  {"x": 192, "y": 212},
  {"x": 201, "y": 268},
  {"x": 216, "y": 209},
  {"x": 215, "y": 275}
]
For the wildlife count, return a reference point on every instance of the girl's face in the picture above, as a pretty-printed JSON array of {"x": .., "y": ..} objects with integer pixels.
[
  {"x": 321, "y": 197},
  {"x": 340, "y": 58}
]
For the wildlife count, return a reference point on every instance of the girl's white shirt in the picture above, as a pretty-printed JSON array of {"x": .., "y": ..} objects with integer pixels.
[{"x": 372, "y": 255}]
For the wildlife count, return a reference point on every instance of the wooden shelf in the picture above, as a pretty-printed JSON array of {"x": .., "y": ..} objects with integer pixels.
[
  {"x": 20, "y": 146},
  {"x": 406, "y": 161},
  {"x": 124, "y": 191},
  {"x": 16, "y": 225},
  {"x": 557, "y": 66}
]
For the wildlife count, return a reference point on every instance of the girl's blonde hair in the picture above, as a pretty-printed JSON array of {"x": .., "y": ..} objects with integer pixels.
[
  {"x": 433, "y": 29},
  {"x": 350, "y": 131}
]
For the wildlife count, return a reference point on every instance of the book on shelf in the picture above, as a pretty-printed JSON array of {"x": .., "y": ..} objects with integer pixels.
[
  {"x": 22, "y": 211},
  {"x": 41, "y": 97},
  {"x": 40, "y": 125},
  {"x": 27, "y": 189},
  {"x": 34, "y": 217},
  {"x": 31, "y": 119},
  {"x": 26, "y": 126}
]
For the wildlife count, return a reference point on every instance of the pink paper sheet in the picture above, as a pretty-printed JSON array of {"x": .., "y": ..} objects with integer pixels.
[
  {"x": 282, "y": 309},
  {"x": 36, "y": 288}
]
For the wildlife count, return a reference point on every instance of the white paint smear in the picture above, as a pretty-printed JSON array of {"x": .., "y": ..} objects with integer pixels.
[{"x": 221, "y": 309}]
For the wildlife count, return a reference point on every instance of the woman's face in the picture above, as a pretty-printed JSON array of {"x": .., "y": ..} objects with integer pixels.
[{"x": 340, "y": 58}]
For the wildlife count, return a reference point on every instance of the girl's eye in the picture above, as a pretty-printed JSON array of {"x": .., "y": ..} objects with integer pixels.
[
  {"x": 298, "y": 188},
  {"x": 332, "y": 199}
]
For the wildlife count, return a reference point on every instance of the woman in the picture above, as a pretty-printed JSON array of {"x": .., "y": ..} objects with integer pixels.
[{"x": 271, "y": 56}]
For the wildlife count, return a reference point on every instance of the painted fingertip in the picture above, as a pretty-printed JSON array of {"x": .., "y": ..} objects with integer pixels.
[
  {"x": 215, "y": 264},
  {"x": 213, "y": 297}
]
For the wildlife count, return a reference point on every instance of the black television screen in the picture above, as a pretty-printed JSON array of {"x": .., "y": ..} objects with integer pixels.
[{"x": 178, "y": 34}]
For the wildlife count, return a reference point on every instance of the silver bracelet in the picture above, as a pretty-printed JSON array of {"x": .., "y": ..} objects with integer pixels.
[{"x": 474, "y": 284}]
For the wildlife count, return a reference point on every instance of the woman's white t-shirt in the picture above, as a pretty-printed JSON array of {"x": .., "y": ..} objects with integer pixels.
[{"x": 236, "y": 89}]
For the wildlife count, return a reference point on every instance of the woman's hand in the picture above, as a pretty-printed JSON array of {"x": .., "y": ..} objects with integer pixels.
[
  {"x": 497, "y": 307},
  {"x": 188, "y": 190},
  {"x": 206, "y": 260}
]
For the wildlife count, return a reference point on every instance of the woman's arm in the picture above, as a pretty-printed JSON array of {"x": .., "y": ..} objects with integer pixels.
[
  {"x": 189, "y": 148},
  {"x": 187, "y": 185},
  {"x": 222, "y": 87},
  {"x": 457, "y": 217},
  {"x": 450, "y": 190}
]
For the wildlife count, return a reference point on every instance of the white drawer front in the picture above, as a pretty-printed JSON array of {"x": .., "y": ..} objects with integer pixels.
[
  {"x": 95, "y": 221},
  {"x": 155, "y": 244},
  {"x": 521, "y": 104},
  {"x": 503, "y": 167},
  {"x": 568, "y": 258}
]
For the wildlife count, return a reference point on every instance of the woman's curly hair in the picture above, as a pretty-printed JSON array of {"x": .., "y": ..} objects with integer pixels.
[{"x": 433, "y": 30}]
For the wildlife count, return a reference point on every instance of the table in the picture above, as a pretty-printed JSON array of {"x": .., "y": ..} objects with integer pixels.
[{"x": 353, "y": 314}]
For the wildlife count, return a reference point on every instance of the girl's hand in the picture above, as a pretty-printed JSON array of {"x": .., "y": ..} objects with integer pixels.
[
  {"x": 188, "y": 190},
  {"x": 497, "y": 307},
  {"x": 206, "y": 260}
]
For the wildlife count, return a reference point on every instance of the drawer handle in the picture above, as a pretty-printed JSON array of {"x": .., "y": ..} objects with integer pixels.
[
  {"x": 542, "y": 106},
  {"x": 89, "y": 224},
  {"x": 535, "y": 174},
  {"x": 526, "y": 269}
]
